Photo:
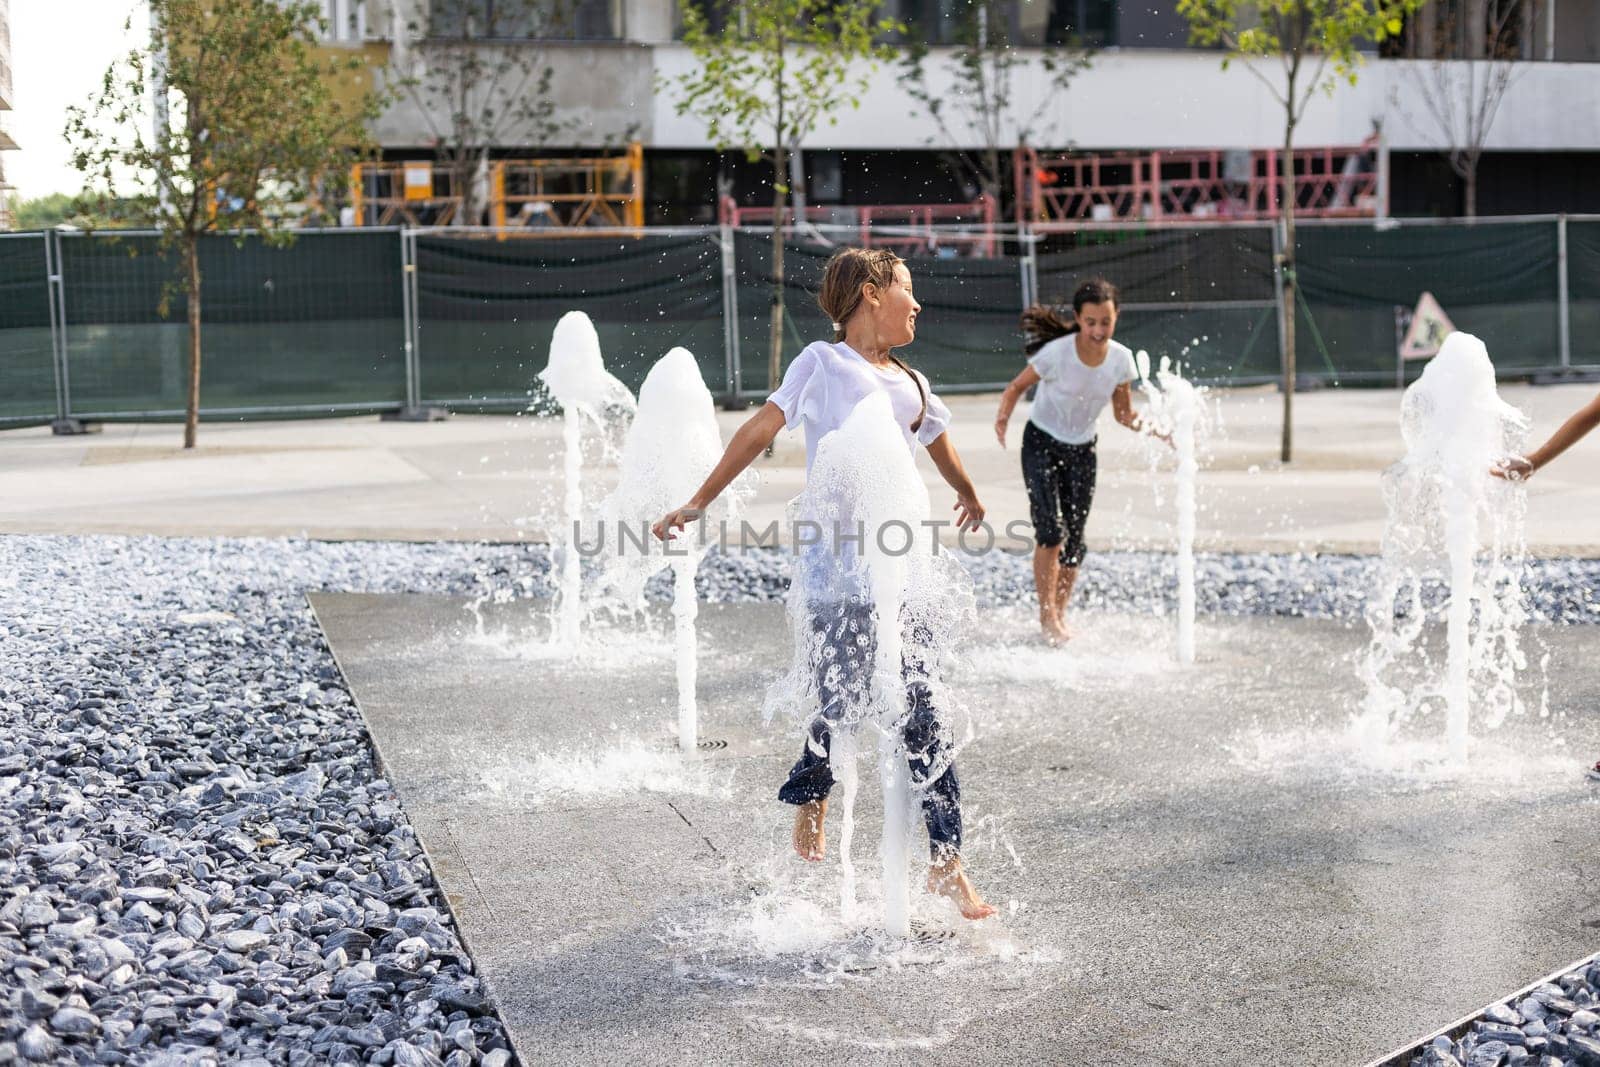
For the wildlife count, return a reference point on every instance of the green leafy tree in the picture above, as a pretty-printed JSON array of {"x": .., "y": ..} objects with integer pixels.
[
  {"x": 248, "y": 123},
  {"x": 81, "y": 212},
  {"x": 981, "y": 105},
  {"x": 1297, "y": 48},
  {"x": 771, "y": 74},
  {"x": 47, "y": 212}
]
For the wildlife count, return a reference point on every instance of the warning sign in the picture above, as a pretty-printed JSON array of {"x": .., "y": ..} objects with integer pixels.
[
  {"x": 419, "y": 181},
  {"x": 1427, "y": 330}
]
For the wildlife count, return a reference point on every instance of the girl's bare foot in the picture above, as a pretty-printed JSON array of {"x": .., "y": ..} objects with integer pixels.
[
  {"x": 947, "y": 879},
  {"x": 1055, "y": 632},
  {"x": 808, "y": 837}
]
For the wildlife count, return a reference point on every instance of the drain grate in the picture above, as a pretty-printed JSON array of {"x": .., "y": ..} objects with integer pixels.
[
  {"x": 925, "y": 933},
  {"x": 706, "y": 744}
]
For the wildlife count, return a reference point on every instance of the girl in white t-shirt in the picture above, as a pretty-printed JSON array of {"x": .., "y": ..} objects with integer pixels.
[
  {"x": 867, "y": 294},
  {"x": 1079, "y": 369}
]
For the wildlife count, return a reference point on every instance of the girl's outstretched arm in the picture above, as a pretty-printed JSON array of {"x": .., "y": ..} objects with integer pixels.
[
  {"x": 1571, "y": 432},
  {"x": 1008, "y": 400},
  {"x": 1122, "y": 411},
  {"x": 748, "y": 442},
  {"x": 969, "y": 512}
]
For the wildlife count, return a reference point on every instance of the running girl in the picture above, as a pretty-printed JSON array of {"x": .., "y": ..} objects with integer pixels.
[
  {"x": 1078, "y": 369},
  {"x": 868, "y": 296}
]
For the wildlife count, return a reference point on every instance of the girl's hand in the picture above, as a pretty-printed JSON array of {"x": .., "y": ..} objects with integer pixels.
[
  {"x": 1000, "y": 423},
  {"x": 969, "y": 513},
  {"x": 675, "y": 520},
  {"x": 1513, "y": 469}
]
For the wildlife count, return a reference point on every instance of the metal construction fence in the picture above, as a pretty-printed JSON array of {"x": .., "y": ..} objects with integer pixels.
[{"x": 94, "y": 326}]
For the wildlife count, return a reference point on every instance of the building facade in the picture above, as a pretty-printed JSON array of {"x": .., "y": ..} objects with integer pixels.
[
  {"x": 7, "y": 218},
  {"x": 613, "y": 63}
]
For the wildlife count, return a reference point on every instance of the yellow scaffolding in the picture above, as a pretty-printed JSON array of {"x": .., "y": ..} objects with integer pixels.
[
  {"x": 546, "y": 196},
  {"x": 408, "y": 193}
]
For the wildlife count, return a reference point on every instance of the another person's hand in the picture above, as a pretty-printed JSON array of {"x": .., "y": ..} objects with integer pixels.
[
  {"x": 969, "y": 513},
  {"x": 1000, "y": 424},
  {"x": 676, "y": 519},
  {"x": 1513, "y": 469}
]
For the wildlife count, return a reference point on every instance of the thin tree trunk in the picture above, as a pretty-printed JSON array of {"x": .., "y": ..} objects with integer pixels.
[
  {"x": 1472, "y": 190},
  {"x": 191, "y": 418},
  {"x": 1287, "y": 268}
]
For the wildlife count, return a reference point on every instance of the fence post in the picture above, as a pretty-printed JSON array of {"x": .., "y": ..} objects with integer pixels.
[
  {"x": 730, "y": 318},
  {"x": 413, "y": 411},
  {"x": 64, "y": 424},
  {"x": 1029, "y": 265},
  {"x": 1563, "y": 298},
  {"x": 408, "y": 271},
  {"x": 51, "y": 278},
  {"x": 1400, "y": 347}
]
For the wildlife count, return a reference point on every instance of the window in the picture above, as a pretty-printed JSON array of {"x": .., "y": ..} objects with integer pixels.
[
  {"x": 1082, "y": 22},
  {"x": 347, "y": 19},
  {"x": 1026, "y": 23},
  {"x": 936, "y": 21},
  {"x": 715, "y": 12},
  {"x": 1450, "y": 29},
  {"x": 510, "y": 20}
]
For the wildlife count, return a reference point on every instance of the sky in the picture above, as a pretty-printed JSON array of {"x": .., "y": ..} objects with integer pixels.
[{"x": 60, "y": 50}]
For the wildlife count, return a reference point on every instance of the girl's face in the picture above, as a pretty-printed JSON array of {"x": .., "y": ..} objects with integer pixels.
[
  {"x": 894, "y": 309},
  {"x": 1098, "y": 322}
]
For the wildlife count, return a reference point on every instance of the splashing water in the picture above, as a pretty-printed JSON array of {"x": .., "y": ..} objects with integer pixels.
[
  {"x": 538, "y": 777},
  {"x": 863, "y": 484},
  {"x": 673, "y": 444},
  {"x": 1447, "y": 517},
  {"x": 1174, "y": 409},
  {"x": 576, "y": 376}
]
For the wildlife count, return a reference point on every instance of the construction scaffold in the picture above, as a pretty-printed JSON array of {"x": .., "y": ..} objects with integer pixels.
[
  {"x": 546, "y": 196},
  {"x": 1052, "y": 191},
  {"x": 1189, "y": 186}
]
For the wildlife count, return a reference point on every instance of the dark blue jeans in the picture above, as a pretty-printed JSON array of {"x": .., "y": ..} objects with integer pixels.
[{"x": 845, "y": 649}]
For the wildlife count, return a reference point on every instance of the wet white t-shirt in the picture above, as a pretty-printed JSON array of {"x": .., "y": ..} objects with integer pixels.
[
  {"x": 820, "y": 389},
  {"x": 1071, "y": 396},
  {"x": 825, "y": 383}
]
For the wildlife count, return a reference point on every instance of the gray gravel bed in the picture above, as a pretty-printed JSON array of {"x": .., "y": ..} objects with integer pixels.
[
  {"x": 1294, "y": 584},
  {"x": 1556, "y": 1024},
  {"x": 200, "y": 861}
]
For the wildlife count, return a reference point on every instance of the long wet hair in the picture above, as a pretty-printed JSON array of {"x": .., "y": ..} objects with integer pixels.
[
  {"x": 1043, "y": 323},
  {"x": 841, "y": 294}
]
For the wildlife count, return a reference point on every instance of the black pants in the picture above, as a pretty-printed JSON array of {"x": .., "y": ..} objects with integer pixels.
[
  {"x": 845, "y": 652},
  {"x": 1060, "y": 480}
]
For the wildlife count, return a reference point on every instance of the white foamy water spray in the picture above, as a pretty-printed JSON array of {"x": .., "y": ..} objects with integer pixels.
[
  {"x": 576, "y": 376},
  {"x": 673, "y": 444},
  {"x": 1447, "y": 518},
  {"x": 880, "y": 587},
  {"x": 1174, "y": 408}
]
